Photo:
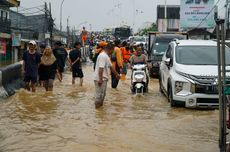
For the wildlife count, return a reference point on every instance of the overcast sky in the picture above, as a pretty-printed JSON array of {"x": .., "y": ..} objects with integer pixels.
[{"x": 102, "y": 13}]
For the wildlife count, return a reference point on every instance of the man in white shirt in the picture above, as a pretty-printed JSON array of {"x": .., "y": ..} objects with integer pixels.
[{"x": 102, "y": 74}]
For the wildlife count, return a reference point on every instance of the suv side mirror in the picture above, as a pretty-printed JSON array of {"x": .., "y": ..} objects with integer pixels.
[{"x": 167, "y": 61}]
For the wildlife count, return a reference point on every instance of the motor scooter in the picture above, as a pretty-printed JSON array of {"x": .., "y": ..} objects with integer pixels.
[{"x": 139, "y": 79}]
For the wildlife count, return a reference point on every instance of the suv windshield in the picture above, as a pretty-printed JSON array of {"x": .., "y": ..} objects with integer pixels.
[
  {"x": 160, "y": 48},
  {"x": 199, "y": 55},
  {"x": 139, "y": 39},
  {"x": 160, "y": 42}
]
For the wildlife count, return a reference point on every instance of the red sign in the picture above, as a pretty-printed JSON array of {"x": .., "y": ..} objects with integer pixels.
[{"x": 2, "y": 47}]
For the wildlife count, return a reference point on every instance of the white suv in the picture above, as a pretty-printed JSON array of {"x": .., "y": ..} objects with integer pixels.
[{"x": 189, "y": 72}]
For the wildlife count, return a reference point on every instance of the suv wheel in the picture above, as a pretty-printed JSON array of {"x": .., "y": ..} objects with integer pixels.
[{"x": 170, "y": 97}]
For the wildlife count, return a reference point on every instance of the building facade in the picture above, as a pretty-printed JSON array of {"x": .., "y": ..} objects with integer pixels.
[
  {"x": 5, "y": 32},
  {"x": 169, "y": 21},
  {"x": 30, "y": 26}
]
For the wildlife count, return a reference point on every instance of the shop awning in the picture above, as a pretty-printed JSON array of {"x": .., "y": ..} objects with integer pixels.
[{"x": 10, "y": 3}]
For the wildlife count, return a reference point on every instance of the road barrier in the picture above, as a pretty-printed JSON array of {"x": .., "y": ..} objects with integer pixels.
[{"x": 10, "y": 79}]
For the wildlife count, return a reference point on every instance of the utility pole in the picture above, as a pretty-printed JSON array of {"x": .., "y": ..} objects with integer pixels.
[
  {"x": 46, "y": 27},
  {"x": 165, "y": 23},
  {"x": 134, "y": 14},
  {"x": 72, "y": 36},
  {"x": 61, "y": 17},
  {"x": 220, "y": 32},
  {"x": 68, "y": 31},
  {"x": 226, "y": 18},
  {"x": 51, "y": 24}
]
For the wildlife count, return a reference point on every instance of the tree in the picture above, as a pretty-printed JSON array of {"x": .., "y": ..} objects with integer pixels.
[{"x": 145, "y": 31}]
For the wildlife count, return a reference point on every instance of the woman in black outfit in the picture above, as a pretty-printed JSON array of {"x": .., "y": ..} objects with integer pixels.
[{"x": 50, "y": 68}]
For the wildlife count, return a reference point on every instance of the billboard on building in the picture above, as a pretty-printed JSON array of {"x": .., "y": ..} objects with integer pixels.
[{"x": 197, "y": 14}]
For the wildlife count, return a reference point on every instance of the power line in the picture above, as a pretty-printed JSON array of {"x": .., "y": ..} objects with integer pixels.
[
  {"x": 208, "y": 14},
  {"x": 31, "y": 11},
  {"x": 26, "y": 9}
]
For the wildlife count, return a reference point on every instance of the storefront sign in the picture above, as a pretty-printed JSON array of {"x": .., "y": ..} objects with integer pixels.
[
  {"x": 16, "y": 39},
  {"x": 47, "y": 36},
  {"x": 2, "y": 47},
  {"x": 5, "y": 35},
  {"x": 197, "y": 14}
]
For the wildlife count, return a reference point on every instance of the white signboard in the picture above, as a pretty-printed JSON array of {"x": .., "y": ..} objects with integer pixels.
[{"x": 197, "y": 14}]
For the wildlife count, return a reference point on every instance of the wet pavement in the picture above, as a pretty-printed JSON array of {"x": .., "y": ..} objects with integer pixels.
[{"x": 66, "y": 121}]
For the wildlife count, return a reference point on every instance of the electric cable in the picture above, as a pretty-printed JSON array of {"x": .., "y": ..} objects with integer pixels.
[{"x": 207, "y": 14}]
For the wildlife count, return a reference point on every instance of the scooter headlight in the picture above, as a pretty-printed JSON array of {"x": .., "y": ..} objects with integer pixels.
[
  {"x": 139, "y": 78},
  {"x": 178, "y": 86}
]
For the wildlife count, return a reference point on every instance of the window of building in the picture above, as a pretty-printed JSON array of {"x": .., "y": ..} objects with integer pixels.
[{"x": 4, "y": 15}]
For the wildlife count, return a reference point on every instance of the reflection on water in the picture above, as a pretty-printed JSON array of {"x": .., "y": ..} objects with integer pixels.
[{"x": 66, "y": 121}]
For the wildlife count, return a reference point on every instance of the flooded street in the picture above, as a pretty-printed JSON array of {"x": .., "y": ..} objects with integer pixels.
[{"x": 66, "y": 121}]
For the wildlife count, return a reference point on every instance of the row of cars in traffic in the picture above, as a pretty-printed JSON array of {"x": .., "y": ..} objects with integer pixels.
[{"x": 187, "y": 69}]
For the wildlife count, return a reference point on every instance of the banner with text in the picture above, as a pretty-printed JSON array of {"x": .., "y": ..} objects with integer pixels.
[{"x": 197, "y": 14}]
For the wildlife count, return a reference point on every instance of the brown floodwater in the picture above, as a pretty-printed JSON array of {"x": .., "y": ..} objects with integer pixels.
[{"x": 66, "y": 121}]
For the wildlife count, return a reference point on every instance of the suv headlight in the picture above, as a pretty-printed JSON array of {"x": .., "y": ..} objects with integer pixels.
[
  {"x": 193, "y": 88},
  {"x": 178, "y": 86}
]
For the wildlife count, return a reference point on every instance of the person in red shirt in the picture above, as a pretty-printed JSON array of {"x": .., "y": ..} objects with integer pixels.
[{"x": 126, "y": 54}]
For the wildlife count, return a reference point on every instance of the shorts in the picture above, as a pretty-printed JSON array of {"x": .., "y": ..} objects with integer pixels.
[
  {"x": 77, "y": 73},
  {"x": 60, "y": 69},
  {"x": 30, "y": 79},
  {"x": 100, "y": 91},
  {"x": 84, "y": 38}
]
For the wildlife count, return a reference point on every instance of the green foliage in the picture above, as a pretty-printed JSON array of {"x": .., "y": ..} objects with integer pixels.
[{"x": 145, "y": 31}]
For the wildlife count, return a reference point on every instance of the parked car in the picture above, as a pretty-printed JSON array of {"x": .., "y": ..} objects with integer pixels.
[
  {"x": 157, "y": 46},
  {"x": 189, "y": 73}
]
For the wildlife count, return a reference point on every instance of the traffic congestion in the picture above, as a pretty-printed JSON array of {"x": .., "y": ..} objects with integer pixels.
[
  {"x": 137, "y": 110},
  {"x": 113, "y": 81}
]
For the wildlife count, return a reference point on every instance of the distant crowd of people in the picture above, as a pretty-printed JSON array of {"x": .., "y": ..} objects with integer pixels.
[{"x": 111, "y": 59}]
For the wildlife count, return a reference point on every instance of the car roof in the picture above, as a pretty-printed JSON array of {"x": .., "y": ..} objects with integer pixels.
[{"x": 196, "y": 43}]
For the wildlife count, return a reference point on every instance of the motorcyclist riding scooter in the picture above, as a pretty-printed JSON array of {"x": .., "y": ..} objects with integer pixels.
[{"x": 139, "y": 78}]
